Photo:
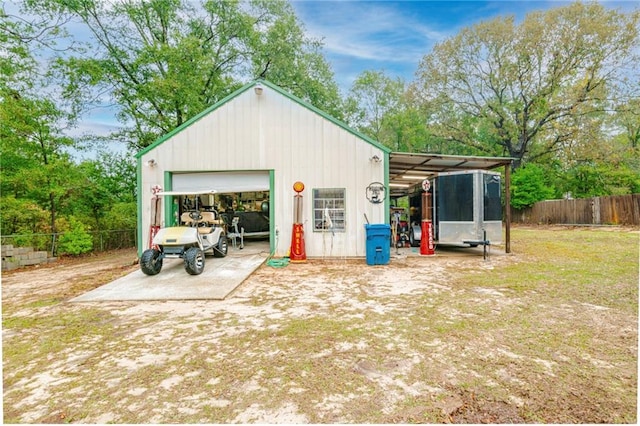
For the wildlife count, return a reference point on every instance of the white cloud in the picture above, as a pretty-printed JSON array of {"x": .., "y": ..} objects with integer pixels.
[{"x": 378, "y": 31}]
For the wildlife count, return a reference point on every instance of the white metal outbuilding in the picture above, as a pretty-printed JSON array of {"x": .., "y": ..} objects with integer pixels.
[{"x": 261, "y": 138}]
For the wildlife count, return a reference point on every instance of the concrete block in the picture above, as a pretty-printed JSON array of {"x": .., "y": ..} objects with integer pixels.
[
  {"x": 9, "y": 266},
  {"x": 37, "y": 255}
]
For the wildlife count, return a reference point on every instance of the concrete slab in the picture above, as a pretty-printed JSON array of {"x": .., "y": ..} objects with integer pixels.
[{"x": 221, "y": 276}]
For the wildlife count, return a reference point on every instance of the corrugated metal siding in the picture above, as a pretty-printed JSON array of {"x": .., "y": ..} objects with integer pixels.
[{"x": 272, "y": 132}]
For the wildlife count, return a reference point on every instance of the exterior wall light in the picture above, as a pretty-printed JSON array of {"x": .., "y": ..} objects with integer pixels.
[
  {"x": 375, "y": 159},
  {"x": 258, "y": 89},
  {"x": 152, "y": 163}
]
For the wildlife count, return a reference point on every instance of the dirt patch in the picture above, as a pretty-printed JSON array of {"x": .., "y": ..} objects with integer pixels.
[
  {"x": 451, "y": 338},
  {"x": 67, "y": 277}
]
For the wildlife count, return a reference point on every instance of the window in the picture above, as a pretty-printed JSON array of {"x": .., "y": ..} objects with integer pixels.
[
  {"x": 329, "y": 210},
  {"x": 492, "y": 203}
]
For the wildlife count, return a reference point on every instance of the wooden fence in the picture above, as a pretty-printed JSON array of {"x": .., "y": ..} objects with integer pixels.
[{"x": 611, "y": 210}]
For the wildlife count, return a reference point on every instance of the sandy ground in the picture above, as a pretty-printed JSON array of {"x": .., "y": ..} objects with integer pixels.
[{"x": 155, "y": 363}]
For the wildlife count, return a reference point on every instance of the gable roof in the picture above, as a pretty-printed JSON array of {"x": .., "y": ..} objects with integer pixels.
[{"x": 243, "y": 89}]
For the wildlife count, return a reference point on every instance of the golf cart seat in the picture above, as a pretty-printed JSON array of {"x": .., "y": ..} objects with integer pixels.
[{"x": 205, "y": 225}]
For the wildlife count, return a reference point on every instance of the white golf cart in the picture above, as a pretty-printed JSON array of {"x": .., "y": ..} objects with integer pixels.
[{"x": 199, "y": 233}]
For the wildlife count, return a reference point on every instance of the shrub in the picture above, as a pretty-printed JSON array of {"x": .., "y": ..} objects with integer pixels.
[
  {"x": 529, "y": 184},
  {"x": 76, "y": 240}
]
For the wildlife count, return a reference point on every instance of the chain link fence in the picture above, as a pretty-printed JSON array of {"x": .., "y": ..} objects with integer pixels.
[{"x": 102, "y": 240}]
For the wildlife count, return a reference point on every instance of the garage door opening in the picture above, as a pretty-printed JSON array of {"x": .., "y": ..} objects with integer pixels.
[{"x": 241, "y": 199}]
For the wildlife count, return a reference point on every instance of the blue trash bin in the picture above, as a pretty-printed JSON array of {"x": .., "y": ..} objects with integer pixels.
[{"x": 378, "y": 243}]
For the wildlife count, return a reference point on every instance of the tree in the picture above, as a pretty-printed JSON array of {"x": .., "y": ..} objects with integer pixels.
[
  {"x": 628, "y": 118},
  {"x": 378, "y": 107},
  {"x": 594, "y": 179},
  {"x": 36, "y": 165},
  {"x": 35, "y": 162},
  {"x": 523, "y": 90},
  {"x": 284, "y": 55},
  {"x": 164, "y": 61},
  {"x": 104, "y": 182},
  {"x": 375, "y": 95}
]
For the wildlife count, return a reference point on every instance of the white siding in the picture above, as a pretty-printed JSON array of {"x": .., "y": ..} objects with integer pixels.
[{"x": 272, "y": 132}]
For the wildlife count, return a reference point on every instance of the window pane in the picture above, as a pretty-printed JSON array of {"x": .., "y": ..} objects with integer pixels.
[
  {"x": 492, "y": 204},
  {"x": 329, "y": 210}
]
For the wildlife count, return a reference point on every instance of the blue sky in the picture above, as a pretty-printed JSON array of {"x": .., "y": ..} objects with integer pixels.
[{"x": 394, "y": 36}]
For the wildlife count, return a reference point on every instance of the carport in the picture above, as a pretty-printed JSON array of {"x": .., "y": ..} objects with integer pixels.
[{"x": 409, "y": 169}]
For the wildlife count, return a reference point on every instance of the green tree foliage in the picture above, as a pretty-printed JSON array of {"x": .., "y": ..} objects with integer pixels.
[
  {"x": 121, "y": 216},
  {"x": 628, "y": 119},
  {"x": 102, "y": 183},
  {"x": 525, "y": 90},
  {"x": 164, "y": 61},
  {"x": 375, "y": 97},
  {"x": 593, "y": 180},
  {"x": 378, "y": 107},
  {"x": 35, "y": 163},
  {"x": 284, "y": 55},
  {"x": 530, "y": 184},
  {"x": 40, "y": 183},
  {"x": 22, "y": 216},
  {"x": 76, "y": 240}
]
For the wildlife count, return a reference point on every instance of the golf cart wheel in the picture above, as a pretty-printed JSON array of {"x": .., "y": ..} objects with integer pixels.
[
  {"x": 194, "y": 261},
  {"x": 151, "y": 262},
  {"x": 222, "y": 248}
]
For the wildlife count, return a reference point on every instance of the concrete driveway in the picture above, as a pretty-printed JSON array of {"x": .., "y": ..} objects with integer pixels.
[{"x": 220, "y": 278}]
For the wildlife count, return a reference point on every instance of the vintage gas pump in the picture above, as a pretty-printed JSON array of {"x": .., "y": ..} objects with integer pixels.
[
  {"x": 297, "y": 252},
  {"x": 427, "y": 247},
  {"x": 156, "y": 211}
]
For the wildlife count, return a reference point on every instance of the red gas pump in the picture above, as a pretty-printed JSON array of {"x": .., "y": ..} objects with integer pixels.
[
  {"x": 156, "y": 211},
  {"x": 427, "y": 247},
  {"x": 297, "y": 252}
]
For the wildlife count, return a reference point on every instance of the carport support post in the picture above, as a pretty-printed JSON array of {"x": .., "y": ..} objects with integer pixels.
[{"x": 507, "y": 208}]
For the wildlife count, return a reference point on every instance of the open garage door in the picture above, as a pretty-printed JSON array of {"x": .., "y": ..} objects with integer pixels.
[
  {"x": 222, "y": 182},
  {"x": 243, "y": 196}
]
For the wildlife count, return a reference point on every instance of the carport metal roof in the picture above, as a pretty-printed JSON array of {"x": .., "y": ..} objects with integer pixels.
[
  {"x": 411, "y": 168},
  {"x": 408, "y": 169}
]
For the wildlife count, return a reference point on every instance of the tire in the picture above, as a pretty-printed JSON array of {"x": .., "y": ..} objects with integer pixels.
[
  {"x": 194, "y": 261},
  {"x": 222, "y": 248},
  {"x": 151, "y": 262}
]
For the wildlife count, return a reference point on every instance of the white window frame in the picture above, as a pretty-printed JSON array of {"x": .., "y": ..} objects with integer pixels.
[{"x": 332, "y": 201}]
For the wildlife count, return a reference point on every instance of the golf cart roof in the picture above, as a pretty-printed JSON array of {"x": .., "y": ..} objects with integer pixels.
[{"x": 199, "y": 192}]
